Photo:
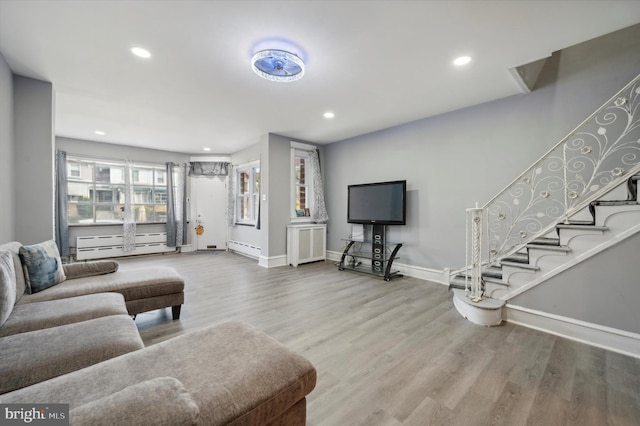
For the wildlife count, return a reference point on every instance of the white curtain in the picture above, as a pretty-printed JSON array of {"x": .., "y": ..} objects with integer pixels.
[
  {"x": 319, "y": 213},
  {"x": 129, "y": 226},
  {"x": 231, "y": 196}
]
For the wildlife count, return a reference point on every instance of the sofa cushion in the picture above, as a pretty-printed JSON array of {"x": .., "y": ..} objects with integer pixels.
[
  {"x": 159, "y": 401},
  {"x": 41, "y": 315},
  {"x": 89, "y": 269},
  {"x": 131, "y": 283},
  {"x": 14, "y": 248},
  {"x": 234, "y": 372},
  {"x": 42, "y": 266},
  {"x": 7, "y": 286},
  {"x": 35, "y": 356}
]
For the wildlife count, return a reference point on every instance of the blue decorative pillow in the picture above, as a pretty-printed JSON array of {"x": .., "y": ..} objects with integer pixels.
[{"x": 42, "y": 266}]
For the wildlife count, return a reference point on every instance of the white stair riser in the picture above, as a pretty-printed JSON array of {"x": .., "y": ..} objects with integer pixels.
[
  {"x": 583, "y": 215},
  {"x": 548, "y": 263},
  {"x": 604, "y": 212},
  {"x": 510, "y": 274},
  {"x": 620, "y": 192},
  {"x": 536, "y": 254},
  {"x": 587, "y": 235}
]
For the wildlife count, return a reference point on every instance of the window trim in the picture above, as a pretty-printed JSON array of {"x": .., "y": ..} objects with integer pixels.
[
  {"x": 300, "y": 150},
  {"x": 252, "y": 196}
]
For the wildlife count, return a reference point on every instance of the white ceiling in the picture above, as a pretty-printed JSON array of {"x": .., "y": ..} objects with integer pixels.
[{"x": 375, "y": 64}]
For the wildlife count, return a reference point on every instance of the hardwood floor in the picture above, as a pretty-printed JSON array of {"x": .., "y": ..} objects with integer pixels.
[{"x": 398, "y": 353}]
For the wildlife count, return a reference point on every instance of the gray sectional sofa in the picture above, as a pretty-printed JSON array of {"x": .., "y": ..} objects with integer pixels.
[
  {"x": 143, "y": 289},
  {"x": 76, "y": 343}
]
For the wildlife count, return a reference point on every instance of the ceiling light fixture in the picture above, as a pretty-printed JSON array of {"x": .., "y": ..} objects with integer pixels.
[
  {"x": 140, "y": 52},
  {"x": 99, "y": 132},
  {"x": 206, "y": 148},
  {"x": 277, "y": 65},
  {"x": 329, "y": 114},
  {"x": 462, "y": 60}
]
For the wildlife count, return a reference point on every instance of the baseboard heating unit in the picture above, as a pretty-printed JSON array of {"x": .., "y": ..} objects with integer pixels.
[
  {"x": 244, "y": 248},
  {"x": 104, "y": 246}
]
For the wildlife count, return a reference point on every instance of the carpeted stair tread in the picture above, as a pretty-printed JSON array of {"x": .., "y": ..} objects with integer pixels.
[
  {"x": 585, "y": 227},
  {"x": 545, "y": 241},
  {"x": 615, "y": 203},
  {"x": 549, "y": 247},
  {"x": 581, "y": 222},
  {"x": 517, "y": 257},
  {"x": 492, "y": 272},
  {"x": 520, "y": 265}
]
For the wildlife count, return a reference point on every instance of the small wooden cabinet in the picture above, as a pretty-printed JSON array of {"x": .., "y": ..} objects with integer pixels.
[{"x": 306, "y": 243}]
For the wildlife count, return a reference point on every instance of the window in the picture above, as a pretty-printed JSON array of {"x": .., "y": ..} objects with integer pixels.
[
  {"x": 301, "y": 184},
  {"x": 96, "y": 192},
  {"x": 73, "y": 170},
  {"x": 247, "y": 193}
]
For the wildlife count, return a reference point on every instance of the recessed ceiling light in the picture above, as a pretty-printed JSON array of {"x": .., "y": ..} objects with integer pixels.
[
  {"x": 99, "y": 132},
  {"x": 206, "y": 149},
  {"x": 140, "y": 52},
  {"x": 329, "y": 114},
  {"x": 462, "y": 60}
]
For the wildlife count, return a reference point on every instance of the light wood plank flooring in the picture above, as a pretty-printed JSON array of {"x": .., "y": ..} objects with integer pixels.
[{"x": 397, "y": 353}]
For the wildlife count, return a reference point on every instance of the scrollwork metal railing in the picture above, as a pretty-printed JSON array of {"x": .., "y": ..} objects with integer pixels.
[{"x": 598, "y": 155}]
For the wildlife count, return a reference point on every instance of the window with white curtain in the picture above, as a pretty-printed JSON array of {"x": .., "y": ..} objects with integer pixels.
[
  {"x": 96, "y": 191},
  {"x": 247, "y": 193},
  {"x": 301, "y": 185}
]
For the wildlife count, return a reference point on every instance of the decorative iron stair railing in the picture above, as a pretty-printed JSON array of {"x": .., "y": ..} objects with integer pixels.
[{"x": 600, "y": 154}]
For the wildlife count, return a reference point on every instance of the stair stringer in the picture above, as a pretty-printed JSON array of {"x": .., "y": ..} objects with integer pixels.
[{"x": 620, "y": 223}]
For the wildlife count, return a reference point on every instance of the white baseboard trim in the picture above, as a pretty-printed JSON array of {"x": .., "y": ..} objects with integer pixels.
[
  {"x": 608, "y": 338},
  {"x": 334, "y": 256},
  {"x": 427, "y": 274},
  {"x": 272, "y": 262},
  {"x": 435, "y": 275},
  {"x": 245, "y": 249}
]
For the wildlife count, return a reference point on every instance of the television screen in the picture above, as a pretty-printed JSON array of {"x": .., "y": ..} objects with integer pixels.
[{"x": 382, "y": 203}]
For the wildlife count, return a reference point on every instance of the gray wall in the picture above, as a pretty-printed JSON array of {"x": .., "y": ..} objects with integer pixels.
[
  {"x": 455, "y": 159},
  {"x": 109, "y": 151},
  {"x": 7, "y": 171},
  {"x": 33, "y": 143},
  {"x": 256, "y": 152},
  {"x": 274, "y": 153},
  {"x": 604, "y": 290},
  {"x": 279, "y": 187}
]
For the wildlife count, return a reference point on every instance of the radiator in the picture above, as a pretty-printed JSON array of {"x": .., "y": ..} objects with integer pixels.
[
  {"x": 244, "y": 248},
  {"x": 103, "y": 246},
  {"x": 306, "y": 243}
]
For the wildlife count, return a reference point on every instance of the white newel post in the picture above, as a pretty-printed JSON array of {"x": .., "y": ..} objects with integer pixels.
[{"x": 473, "y": 288}]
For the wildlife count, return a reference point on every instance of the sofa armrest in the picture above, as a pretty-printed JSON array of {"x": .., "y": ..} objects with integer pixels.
[
  {"x": 159, "y": 401},
  {"x": 89, "y": 269}
]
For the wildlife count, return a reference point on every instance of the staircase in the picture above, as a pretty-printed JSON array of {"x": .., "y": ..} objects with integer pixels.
[{"x": 579, "y": 199}]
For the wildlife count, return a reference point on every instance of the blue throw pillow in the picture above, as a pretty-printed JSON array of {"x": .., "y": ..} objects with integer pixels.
[{"x": 42, "y": 266}]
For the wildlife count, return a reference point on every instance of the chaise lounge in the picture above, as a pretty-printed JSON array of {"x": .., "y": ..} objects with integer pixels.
[{"x": 143, "y": 289}]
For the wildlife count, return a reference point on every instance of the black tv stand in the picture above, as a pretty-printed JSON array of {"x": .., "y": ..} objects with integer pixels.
[{"x": 381, "y": 255}]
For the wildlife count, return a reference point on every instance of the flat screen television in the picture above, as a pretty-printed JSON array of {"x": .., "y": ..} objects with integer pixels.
[{"x": 380, "y": 203}]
